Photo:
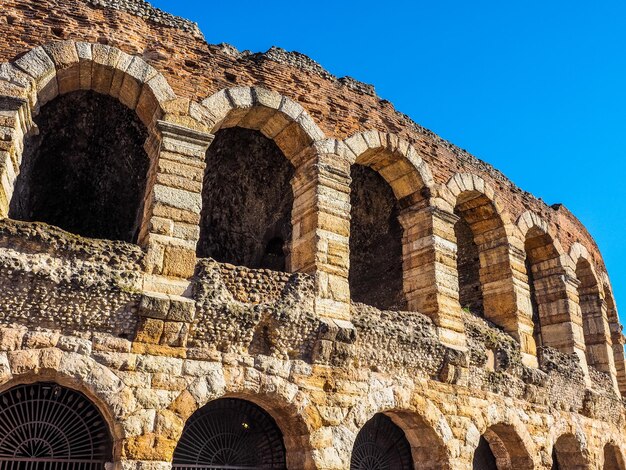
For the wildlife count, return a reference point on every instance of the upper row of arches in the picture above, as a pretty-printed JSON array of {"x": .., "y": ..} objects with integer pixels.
[{"x": 91, "y": 160}]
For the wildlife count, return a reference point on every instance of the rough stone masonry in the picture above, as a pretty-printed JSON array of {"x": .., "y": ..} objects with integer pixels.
[{"x": 239, "y": 259}]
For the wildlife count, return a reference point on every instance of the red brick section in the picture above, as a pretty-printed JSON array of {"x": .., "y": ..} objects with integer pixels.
[{"x": 196, "y": 70}]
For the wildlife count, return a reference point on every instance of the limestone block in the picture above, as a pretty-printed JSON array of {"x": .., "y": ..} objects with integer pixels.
[
  {"x": 168, "y": 365},
  {"x": 154, "y": 305},
  {"x": 5, "y": 367},
  {"x": 149, "y": 330},
  {"x": 85, "y": 59},
  {"x": 181, "y": 309},
  {"x": 178, "y": 198},
  {"x": 74, "y": 344},
  {"x": 208, "y": 387},
  {"x": 218, "y": 104},
  {"x": 41, "y": 339},
  {"x": 139, "y": 423},
  {"x": 169, "y": 425},
  {"x": 105, "y": 342},
  {"x": 199, "y": 368},
  {"x": 310, "y": 127},
  {"x": 65, "y": 57},
  {"x": 11, "y": 338},
  {"x": 174, "y": 334},
  {"x": 40, "y": 67},
  {"x": 168, "y": 382},
  {"x": 23, "y": 361},
  {"x": 178, "y": 262},
  {"x": 15, "y": 82}
]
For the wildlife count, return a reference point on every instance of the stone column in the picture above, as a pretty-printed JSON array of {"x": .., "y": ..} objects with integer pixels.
[
  {"x": 430, "y": 273},
  {"x": 14, "y": 123},
  {"x": 617, "y": 343},
  {"x": 597, "y": 336},
  {"x": 561, "y": 318},
  {"x": 520, "y": 324},
  {"x": 321, "y": 228},
  {"x": 171, "y": 216}
]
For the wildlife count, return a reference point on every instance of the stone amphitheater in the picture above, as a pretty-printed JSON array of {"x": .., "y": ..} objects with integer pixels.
[{"x": 213, "y": 259}]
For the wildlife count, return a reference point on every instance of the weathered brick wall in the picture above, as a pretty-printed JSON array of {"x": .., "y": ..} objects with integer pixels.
[{"x": 196, "y": 70}]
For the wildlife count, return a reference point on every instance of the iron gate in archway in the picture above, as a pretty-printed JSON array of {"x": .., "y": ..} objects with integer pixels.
[
  {"x": 231, "y": 434},
  {"x": 44, "y": 426},
  {"x": 381, "y": 445}
]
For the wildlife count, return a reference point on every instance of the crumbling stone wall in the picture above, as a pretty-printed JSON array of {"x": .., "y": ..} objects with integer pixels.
[{"x": 52, "y": 279}]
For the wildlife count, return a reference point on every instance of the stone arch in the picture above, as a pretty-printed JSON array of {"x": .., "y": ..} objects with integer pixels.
[
  {"x": 551, "y": 289},
  {"x": 275, "y": 397},
  {"x": 570, "y": 452},
  {"x": 277, "y": 117},
  {"x": 426, "y": 449},
  {"x": 507, "y": 437},
  {"x": 425, "y": 427},
  {"x": 390, "y": 184},
  {"x": 427, "y": 446},
  {"x": 488, "y": 275},
  {"x": 617, "y": 338},
  {"x": 232, "y": 432},
  {"x": 508, "y": 448},
  {"x": 613, "y": 457},
  {"x": 60, "y": 68},
  {"x": 266, "y": 118},
  {"x": 396, "y": 160},
  {"x": 593, "y": 308},
  {"x": 77, "y": 372}
]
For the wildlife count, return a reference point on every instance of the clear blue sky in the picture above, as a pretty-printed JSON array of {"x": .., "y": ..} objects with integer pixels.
[{"x": 536, "y": 88}]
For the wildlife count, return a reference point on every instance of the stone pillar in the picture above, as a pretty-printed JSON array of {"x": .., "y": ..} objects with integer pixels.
[
  {"x": 563, "y": 326},
  {"x": 617, "y": 343},
  {"x": 321, "y": 228},
  {"x": 171, "y": 216},
  {"x": 597, "y": 336},
  {"x": 14, "y": 122},
  {"x": 430, "y": 273},
  {"x": 522, "y": 328}
]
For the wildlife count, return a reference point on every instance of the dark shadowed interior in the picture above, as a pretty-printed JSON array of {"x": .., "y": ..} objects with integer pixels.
[
  {"x": 85, "y": 171},
  {"x": 246, "y": 201},
  {"x": 375, "y": 242}
]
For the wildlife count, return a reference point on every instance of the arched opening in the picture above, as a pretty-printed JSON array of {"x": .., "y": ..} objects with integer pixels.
[
  {"x": 381, "y": 445},
  {"x": 484, "y": 459},
  {"x": 617, "y": 340},
  {"x": 230, "y": 433},
  {"x": 46, "y": 426},
  {"x": 375, "y": 241},
  {"x": 546, "y": 288},
  {"x": 482, "y": 256},
  {"x": 501, "y": 448},
  {"x": 468, "y": 268},
  {"x": 591, "y": 309},
  {"x": 567, "y": 454},
  {"x": 246, "y": 201},
  {"x": 85, "y": 170},
  {"x": 613, "y": 459}
]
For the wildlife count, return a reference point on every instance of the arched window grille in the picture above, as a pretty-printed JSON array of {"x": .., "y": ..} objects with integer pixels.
[
  {"x": 230, "y": 434},
  {"x": 381, "y": 445},
  {"x": 44, "y": 426}
]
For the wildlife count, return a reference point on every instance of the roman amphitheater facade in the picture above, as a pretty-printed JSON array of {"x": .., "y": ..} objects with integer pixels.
[{"x": 216, "y": 258}]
